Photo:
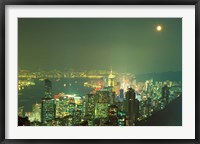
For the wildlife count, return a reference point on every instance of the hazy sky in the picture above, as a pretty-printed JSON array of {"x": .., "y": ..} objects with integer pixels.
[{"x": 126, "y": 44}]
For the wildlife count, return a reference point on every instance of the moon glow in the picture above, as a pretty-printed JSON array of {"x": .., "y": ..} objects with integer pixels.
[{"x": 159, "y": 28}]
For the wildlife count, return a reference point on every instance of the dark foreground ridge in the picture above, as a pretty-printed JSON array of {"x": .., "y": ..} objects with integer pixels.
[{"x": 171, "y": 115}]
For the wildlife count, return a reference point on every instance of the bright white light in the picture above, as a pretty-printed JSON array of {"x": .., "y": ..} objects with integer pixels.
[{"x": 159, "y": 28}]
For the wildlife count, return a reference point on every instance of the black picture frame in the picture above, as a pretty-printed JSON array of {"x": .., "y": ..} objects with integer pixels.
[{"x": 3, "y": 4}]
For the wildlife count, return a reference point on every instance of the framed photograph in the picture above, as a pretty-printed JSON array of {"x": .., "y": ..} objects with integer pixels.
[{"x": 100, "y": 71}]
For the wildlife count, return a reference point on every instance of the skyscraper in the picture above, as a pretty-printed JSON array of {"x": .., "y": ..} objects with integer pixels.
[
  {"x": 130, "y": 104},
  {"x": 47, "y": 88},
  {"x": 111, "y": 79},
  {"x": 61, "y": 107},
  {"x": 37, "y": 112},
  {"x": 101, "y": 106},
  {"x": 90, "y": 101},
  {"x": 165, "y": 94},
  {"x": 121, "y": 94},
  {"x": 48, "y": 110},
  {"x": 71, "y": 109},
  {"x": 48, "y": 104},
  {"x": 78, "y": 113}
]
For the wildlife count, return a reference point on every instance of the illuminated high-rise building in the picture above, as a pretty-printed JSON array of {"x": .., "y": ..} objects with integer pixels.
[
  {"x": 148, "y": 105},
  {"x": 101, "y": 107},
  {"x": 61, "y": 107},
  {"x": 48, "y": 104},
  {"x": 165, "y": 94},
  {"x": 121, "y": 94},
  {"x": 78, "y": 113},
  {"x": 37, "y": 112},
  {"x": 90, "y": 101},
  {"x": 47, "y": 88},
  {"x": 111, "y": 78},
  {"x": 71, "y": 111},
  {"x": 130, "y": 103},
  {"x": 137, "y": 109},
  {"x": 48, "y": 111}
]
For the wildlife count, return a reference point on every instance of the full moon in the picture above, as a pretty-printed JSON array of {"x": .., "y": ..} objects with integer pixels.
[{"x": 159, "y": 28}]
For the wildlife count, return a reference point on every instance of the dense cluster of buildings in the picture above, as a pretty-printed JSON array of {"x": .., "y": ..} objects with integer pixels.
[{"x": 113, "y": 104}]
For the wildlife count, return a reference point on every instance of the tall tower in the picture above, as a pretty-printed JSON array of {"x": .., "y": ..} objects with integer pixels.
[
  {"x": 37, "y": 112},
  {"x": 90, "y": 101},
  {"x": 101, "y": 106},
  {"x": 165, "y": 94},
  {"x": 111, "y": 79},
  {"x": 71, "y": 110},
  {"x": 130, "y": 104},
  {"x": 47, "y": 88},
  {"x": 48, "y": 104},
  {"x": 121, "y": 94}
]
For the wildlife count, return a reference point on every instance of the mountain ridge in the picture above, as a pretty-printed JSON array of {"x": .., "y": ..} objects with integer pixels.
[{"x": 163, "y": 76}]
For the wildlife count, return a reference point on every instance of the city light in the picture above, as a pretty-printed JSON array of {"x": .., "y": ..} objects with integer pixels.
[{"x": 120, "y": 101}]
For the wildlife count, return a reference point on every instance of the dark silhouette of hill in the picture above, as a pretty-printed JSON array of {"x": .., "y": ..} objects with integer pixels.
[
  {"x": 172, "y": 76},
  {"x": 171, "y": 115}
]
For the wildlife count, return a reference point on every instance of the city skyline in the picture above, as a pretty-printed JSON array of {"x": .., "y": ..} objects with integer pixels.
[
  {"x": 99, "y": 72},
  {"x": 110, "y": 103},
  {"x": 141, "y": 45}
]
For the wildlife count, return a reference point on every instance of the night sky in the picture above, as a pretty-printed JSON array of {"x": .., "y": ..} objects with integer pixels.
[{"x": 126, "y": 44}]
